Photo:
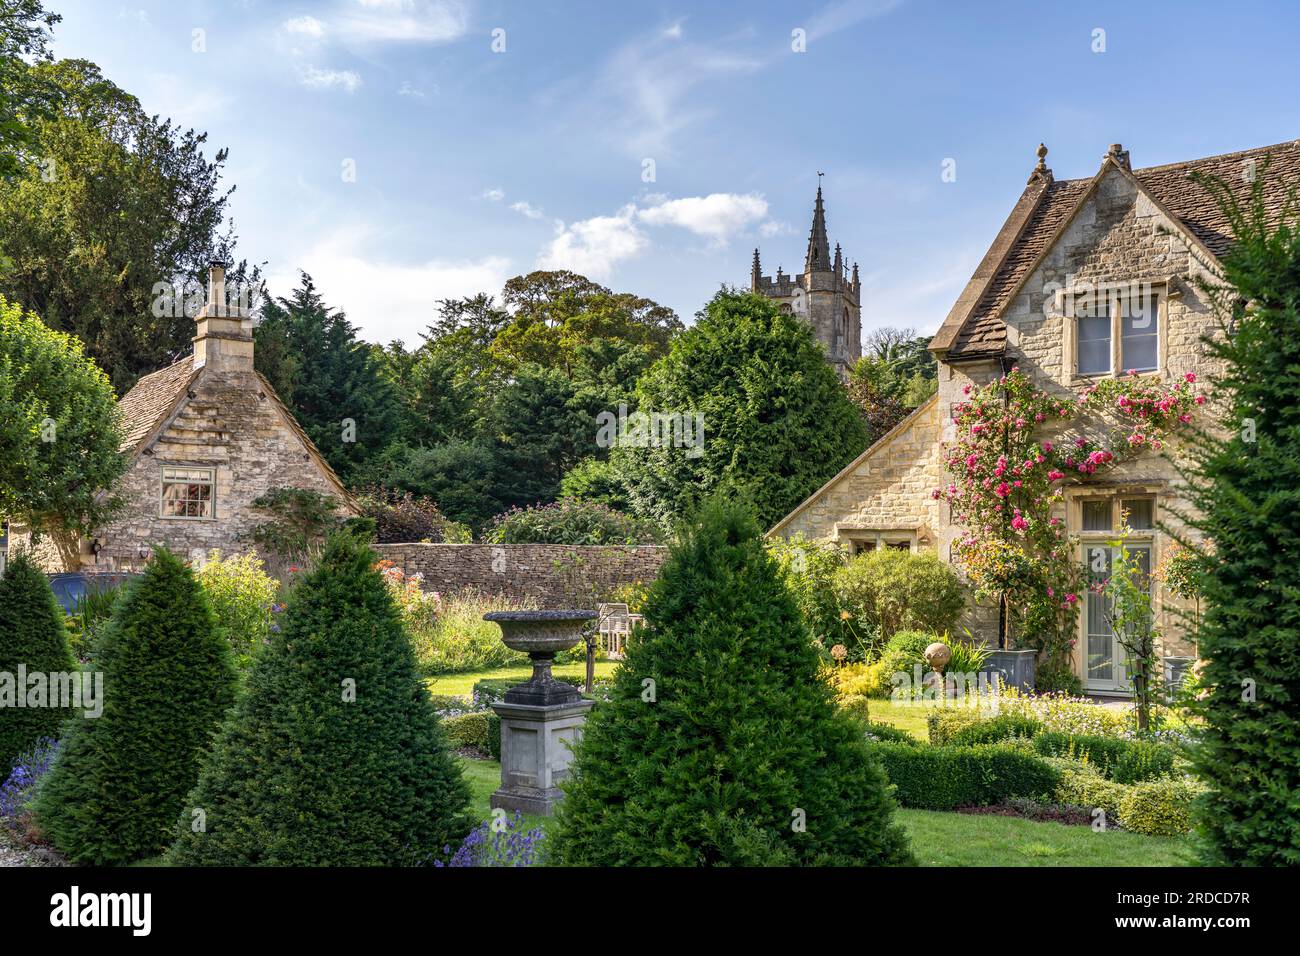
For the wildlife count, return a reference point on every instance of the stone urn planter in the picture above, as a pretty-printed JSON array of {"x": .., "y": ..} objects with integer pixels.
[
  {"x": 542, "y": 718},
  {"x": 541, "y": 635}
]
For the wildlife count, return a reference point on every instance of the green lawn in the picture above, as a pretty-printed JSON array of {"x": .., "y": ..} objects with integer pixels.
[
  {"x": 462, "y": 684},
  {"x": 905, "y": 715},
  {"x": 959, "y": 839}
]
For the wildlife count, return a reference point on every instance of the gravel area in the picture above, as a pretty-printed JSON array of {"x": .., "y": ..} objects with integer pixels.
[{"x": 11, "y": 854}]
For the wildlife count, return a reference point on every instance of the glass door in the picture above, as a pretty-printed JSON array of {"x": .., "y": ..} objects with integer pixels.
[{"x": 1105, "y": 665}]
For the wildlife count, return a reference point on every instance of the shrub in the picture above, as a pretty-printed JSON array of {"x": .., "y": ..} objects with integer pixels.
[
  {"x": 334, "y": 755},
  {"x": 856, "y": 705},
  {"x": 1243, "y": 489},
  {"x": 942, "y": 778},
  {"x": 1083, "y": 785},
  {"x": 1068, "y": 715},
  {"x": 943, "y": 723},
  {"x": 897, "y": 590},
  {"x": 20, "y": 785},
  {"x": 859, "y": 680},
  {"x": 570, "y": 521},
  {"x": 494, "y": 736},
  {"x": 1057, "y": 679},
  {"x": 401, "y": 516},
  {"x": 741, "y": 737},
  {"x": 996, "y": 729},
  {"x": 121, "y": 778},
  {"x": 467, "y": 730},
  {"x": 1124, "y": 761},
  {"x": 93, "y": 610},
  {"x": 457, "y": 639},
  {"x": 32, "y": 634},
  {"x": 808, "y": 571},
  {"x": 1159, "y": 807},
  {"x": 242, "y": 596}
]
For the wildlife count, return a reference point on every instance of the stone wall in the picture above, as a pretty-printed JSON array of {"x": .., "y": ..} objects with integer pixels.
[{"x": 548, "y": 575}]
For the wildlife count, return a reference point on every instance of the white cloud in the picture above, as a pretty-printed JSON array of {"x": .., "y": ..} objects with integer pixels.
[
  {"x": 527, "y": 209},
  {"x": 773, "y": 228},
  {"x": 409, "y": 89},
  {"x": 317, "y": 79},
  {"x": 417, "y": 21},
  {"x": 305, "y": 25},
  {"x": 846, "y": 13},
  {"x": 717, "y": 216},
  {"x": 494, "y": 195},
  {"x": 674, "y": 30},
  {"x": 594, "y": 246},
  {"x": 388, "y": 300}
]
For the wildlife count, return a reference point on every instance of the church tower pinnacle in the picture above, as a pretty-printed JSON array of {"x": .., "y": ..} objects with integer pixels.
[{"x": 818, "y": 258}]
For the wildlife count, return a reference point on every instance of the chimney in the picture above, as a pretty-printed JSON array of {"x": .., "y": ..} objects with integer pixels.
[
  {"x": 1119, "y": 154},
  {"x": 225, "y": 332}
]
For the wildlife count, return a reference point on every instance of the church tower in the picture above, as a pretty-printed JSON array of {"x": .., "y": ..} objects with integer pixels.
[{"x": 826, "y": 295}]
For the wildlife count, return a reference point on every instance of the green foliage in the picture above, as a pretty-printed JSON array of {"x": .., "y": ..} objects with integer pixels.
[
  {"x": 888, "y": 733},
  {"x": 1124, "y": 761},
  {"x": 570, "y": 521},
  {"x": 995, "y": 730},
  {"x": 120, "y": 778},
  {"x": 943, "y": 724},
  {"x": 93, "y": 611},
  {"x": 1057, "y": 678},
  {"x": 312, "y": 357},
  {"x": 25, "y": 36},
  {"x": 459, "y": 474},
  {"x": 112, "y": 211},
  {"x": 894, "y": 590},
  {"x": 1159, "y": 807},
  {"x": 808, "y": 571},
  {"x": 777, "y": 422},
  {"x": 896, "y": 374},
  {"x": 400, "y": 516},
  {"x": 31, "y": 634},
  {"x": 943, "y": 778},
  {"x": 467, "y": 730},
  {"x": 458, "y": 639},
  {"x": 1245, "y": 492},
  {"x": 59, "y": 433},
  {"x": 334, "y": 755},
  {"x": 734, "y": 740},
  {"x": 1084, "y": 786},
  {"x": 298, "y": 524},
  {"x": 494, "y": 737},
  {"x": 242, "y": 597},
  {"x": 595, "y": 479}
]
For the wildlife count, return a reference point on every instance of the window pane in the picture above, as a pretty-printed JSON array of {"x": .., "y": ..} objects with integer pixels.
[
  {"x": 1100, "y": 649},
  {"x": 1096, "y": 514},
  {"x": 1138, "y": 334},
  {"x": 1094, "y": 344},
  {"x": 1141, "y": 513}
]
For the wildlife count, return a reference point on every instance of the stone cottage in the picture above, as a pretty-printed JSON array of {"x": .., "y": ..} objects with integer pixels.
[
  {"x": 204, "y": 438},
  {"x": 1123, "y": 228}
]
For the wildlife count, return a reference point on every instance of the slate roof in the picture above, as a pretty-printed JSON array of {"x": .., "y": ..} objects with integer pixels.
[
  {"x": 973, "y": 331},
  {"x": 152, "y": 399}
]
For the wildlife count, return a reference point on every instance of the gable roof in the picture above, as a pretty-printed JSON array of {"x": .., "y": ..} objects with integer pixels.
[
  {"x": 155, "y": 399},
  {"x": 975, "y": 328},
  {"x": 152, "y": 400}
]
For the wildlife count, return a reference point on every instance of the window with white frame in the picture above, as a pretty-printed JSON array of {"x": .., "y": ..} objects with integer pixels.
[
  {"x": 1116, "y": 330},
  {"x": 1099, "y": 520},
  {"x": 188, "y": 492}
]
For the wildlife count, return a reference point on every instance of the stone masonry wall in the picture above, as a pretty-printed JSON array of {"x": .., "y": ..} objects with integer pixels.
[{"x": 548, "y": 575}]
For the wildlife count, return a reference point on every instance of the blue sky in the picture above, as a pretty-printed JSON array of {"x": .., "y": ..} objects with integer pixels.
[{"x": 473, "y": 165}]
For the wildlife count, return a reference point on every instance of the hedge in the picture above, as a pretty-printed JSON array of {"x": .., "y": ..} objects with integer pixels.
[
  {"x": 1159, "y": 807},
  {"x": 1123, "y": 761},
  {"x": 467, "y": 730},
  {"x": 997, "y": 729},
  {"x": 943, "y": 778},
  {"x": 1083, "y": 785}
]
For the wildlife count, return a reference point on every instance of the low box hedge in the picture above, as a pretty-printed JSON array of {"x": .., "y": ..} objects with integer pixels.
[
  {"x": 943, "y": 778},
  {"x": 469, "y": 730},
  {"x": 1123, "y": 761},
  {"x": 1159, "y": 807},
  {"x": 996, "y": 729}
]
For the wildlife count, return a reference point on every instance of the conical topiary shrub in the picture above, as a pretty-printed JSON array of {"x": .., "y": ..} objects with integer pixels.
[
  {"x": 721, "y": 746},
  {"x": 121, "y": 778},
  {"x": 334, "y": 754},
  {"x": 33, "y": 636}
]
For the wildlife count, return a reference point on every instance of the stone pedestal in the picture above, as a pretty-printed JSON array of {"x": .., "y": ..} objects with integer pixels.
[{"x": 535, "y": 753}]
